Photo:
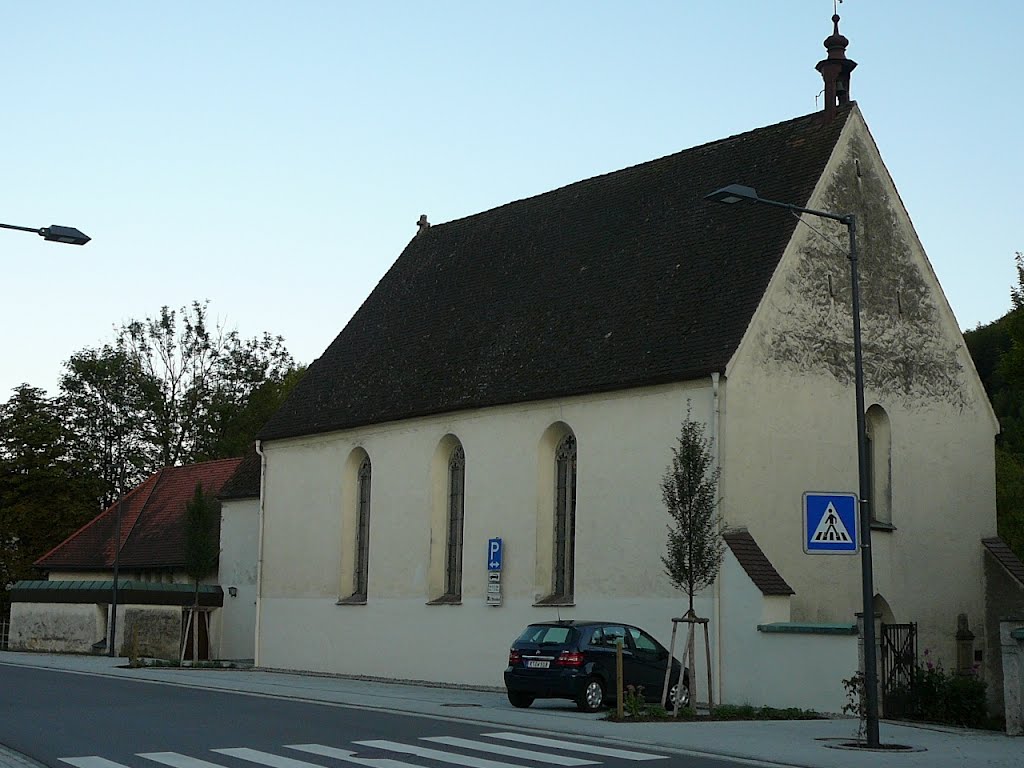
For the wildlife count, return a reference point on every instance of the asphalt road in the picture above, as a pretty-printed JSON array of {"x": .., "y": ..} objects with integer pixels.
[{"x": 65, "y": 719}]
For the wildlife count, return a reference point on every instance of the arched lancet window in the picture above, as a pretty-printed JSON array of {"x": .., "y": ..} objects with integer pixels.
[
  {"x": 565, "y": 517},
  {"x": 456, "y": 517},
  {"x": 879, "y": 465},
  {"x": 362, "y": 529}
]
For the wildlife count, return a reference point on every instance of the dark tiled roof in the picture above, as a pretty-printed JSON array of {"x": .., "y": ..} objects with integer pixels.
[
  {"x": 1002, "y": 552},
  {"x": 245, "y": 482},
  {"x": 756, "y": 563},
  {"x": 622, "y": 280},
  {"x": 152, "y": 522}
]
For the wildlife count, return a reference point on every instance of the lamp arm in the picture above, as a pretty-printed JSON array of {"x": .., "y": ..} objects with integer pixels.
[
  {"x": 844, "y": 218},
  {"x": 21, "y": 229}
]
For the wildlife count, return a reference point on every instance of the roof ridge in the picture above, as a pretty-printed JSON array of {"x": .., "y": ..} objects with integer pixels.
[
  {"x": 101, "y": 515},
  {"x": 841, "y": 114},
  {"x": 626, "y": 279},
  {"x": 203, "y": 463},
  {"x": 161, "y": 474}
]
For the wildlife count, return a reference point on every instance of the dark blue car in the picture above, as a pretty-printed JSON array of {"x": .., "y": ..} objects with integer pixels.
[{"x": 576, "y": 660}]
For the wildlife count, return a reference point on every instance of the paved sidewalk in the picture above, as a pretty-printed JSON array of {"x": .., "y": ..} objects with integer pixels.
[{"x": 792, "y": 743}]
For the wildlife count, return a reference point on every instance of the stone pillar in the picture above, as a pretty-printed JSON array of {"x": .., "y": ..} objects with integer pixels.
[
  {"x": 878, "y": 654},
  {"x": 1011, "y": 640},
  {"x": 964, "y": 647}
]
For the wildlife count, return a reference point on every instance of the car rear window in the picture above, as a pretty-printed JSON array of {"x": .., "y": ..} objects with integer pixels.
[{"x": 545, "y": 634}]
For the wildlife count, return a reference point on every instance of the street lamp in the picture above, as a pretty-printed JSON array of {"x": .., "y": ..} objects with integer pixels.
[
  {"x": 55, "y": 234},
  {"x": 735, "y": 193}
]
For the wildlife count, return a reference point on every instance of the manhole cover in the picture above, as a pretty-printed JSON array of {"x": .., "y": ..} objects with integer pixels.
[{"x": 460, "y": 705}]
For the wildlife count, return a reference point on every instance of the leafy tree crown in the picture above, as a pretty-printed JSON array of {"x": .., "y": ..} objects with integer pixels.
[
  {"x": 202, "y": 524},
  {"x": 689, "y": 490}
]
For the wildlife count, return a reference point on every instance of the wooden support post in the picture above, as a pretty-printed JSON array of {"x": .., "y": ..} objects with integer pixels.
[
  {"x": 618, "y": 678},
  {"x": 675, "y": 699},
  {"x": 707, "y": 659},
  {"x": 668, "y": 665}
]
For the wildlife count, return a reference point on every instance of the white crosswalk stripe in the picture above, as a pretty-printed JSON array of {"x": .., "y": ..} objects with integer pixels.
[
  {"x": 176, "y": 760},
  {"x": 349, "y": 757},
  {"x": 571, "y": 746},
  {"x": 495, "y": 743},
  {"x": 501, "y": 749},
  {"x": 265, "y": 758},
  {"x": 91, "y": 762},
  {"x": 434, "y": 754}
]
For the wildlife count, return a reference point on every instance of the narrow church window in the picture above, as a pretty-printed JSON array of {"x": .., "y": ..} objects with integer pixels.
[
  {"x": 456, "y": 515},
  {"x": 879, "y": 466},
  {"x": 363, "y": 529},
  {"x": 565, "y": 517}
]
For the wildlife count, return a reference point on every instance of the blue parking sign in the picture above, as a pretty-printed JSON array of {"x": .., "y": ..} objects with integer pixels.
[
  {"x": 494, "y": 554},
  {"x": 830, "y": 523}
]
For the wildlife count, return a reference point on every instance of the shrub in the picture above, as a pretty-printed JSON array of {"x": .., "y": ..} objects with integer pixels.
[{"x": 943, "y": 697}]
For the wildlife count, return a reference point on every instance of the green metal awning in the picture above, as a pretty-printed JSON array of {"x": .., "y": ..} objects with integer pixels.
[{"x": 128, "y": 592}]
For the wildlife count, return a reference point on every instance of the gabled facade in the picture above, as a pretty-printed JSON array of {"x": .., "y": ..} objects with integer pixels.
[
  {"x": 523, "y": 373},
  {"x": 145, "y": 536}
]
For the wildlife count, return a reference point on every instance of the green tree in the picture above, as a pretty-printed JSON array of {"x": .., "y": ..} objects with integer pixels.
[
  {"x": 174, "y": 389},
  {"x": 195, "y": 375},
  {"x": 998, "y": 353},
  {"x": 689, "y": 490},
  {"x": 694, "y": 549},
  {"x": 105, "y": 408},
  {"x": 45, "y": 495},
  {"x": 202, "y": 547}
]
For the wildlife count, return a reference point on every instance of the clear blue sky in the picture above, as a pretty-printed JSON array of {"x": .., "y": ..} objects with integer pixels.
[{"x": 274, "y": 157}]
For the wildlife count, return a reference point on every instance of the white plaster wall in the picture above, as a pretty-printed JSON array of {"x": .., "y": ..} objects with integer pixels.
[
  {"x": 796, "y": 670},
  {"x": 776, "y": 670},
  {"x": 56, "y": 627},
  {"x": 624, "y": 442},
  {"x": 789, "y": 417},
  {"x": 235, "y": 623}
]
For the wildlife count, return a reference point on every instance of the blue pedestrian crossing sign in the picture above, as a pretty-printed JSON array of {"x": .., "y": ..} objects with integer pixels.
[{"x": 830, "y": 524}]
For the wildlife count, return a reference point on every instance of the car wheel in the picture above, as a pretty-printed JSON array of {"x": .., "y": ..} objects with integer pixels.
[
  {"x": 521, "y": 700},
  {"x": 683, "y": 702},
  {"x": 592, "y": 697}
]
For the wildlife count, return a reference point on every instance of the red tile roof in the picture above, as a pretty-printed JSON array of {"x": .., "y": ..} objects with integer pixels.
[{"x": 152, "y": 522}]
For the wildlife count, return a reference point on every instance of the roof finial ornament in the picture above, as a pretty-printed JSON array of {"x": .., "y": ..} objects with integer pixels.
[
  {"x": 836, "y": 68},
  {"x": 423, "y": 224}
]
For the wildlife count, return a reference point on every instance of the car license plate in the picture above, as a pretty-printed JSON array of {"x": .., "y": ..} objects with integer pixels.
[{"x": 538, "y": 664}]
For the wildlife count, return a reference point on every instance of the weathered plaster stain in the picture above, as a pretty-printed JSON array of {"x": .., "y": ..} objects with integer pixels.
[{"x": 906, "y": 351}]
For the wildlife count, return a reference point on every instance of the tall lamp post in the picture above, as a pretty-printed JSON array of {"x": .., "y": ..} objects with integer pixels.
[
  {"x": 735, "y": 193},
  {"x": 54, "y": 233}
]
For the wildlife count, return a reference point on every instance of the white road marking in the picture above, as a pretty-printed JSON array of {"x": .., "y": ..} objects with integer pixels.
[
  {"x": 176, "y": 760},
  {"x": 265, "y": 758},
  {"x": 501, "y": 749},
  {"x": 571, "y": 746},
  {"x": 349, "y": 757},
  {"x": 91, "y": 762},
  {"x": 435, "y": 754}
]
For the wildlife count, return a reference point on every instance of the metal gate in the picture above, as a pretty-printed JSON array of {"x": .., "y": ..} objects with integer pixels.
[{"x": 899, "y": 660}]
